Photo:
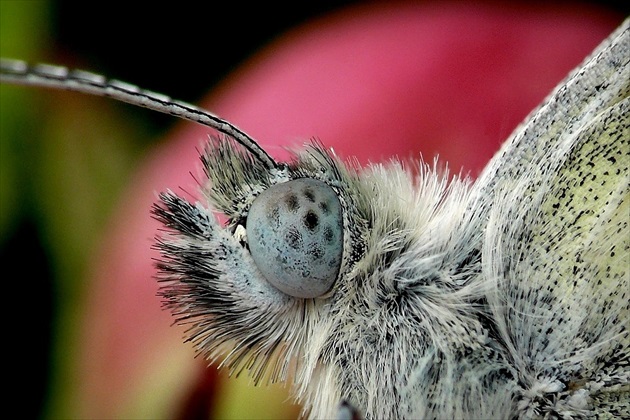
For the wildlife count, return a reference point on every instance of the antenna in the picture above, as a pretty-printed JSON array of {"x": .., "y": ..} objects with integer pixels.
[{"x": 57, "y": 77}]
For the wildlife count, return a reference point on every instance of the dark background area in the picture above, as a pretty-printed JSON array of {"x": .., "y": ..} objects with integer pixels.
[{"x": 188, "y": 48}]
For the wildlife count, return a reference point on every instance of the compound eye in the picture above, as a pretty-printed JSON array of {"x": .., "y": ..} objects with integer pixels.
[{"x": 295, "y": 236}]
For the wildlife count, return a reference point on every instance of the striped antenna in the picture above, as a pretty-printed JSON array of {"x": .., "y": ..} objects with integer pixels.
[{"x": 19, "y": 72}]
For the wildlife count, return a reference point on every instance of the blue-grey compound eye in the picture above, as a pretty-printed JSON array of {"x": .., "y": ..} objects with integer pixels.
[{"x": 295, "y": 236}]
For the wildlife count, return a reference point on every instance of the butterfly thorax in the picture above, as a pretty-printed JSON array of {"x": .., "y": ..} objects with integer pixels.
[{"x": 410, "y": 311}]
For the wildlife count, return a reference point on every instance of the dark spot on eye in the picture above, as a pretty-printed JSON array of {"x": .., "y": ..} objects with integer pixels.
[
  {"x": 316, "y": 252},
  {"x": 328, "y": 234},
  {"x": 292, "y": 202},
  {"x": 323, "y": 206},
  {"x": 310, "y": 196},
  {"x": 293, "y": 238},
  {"x": 311, "y": 220}
]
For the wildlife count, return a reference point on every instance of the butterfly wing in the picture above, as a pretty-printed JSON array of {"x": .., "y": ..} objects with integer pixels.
[
  {"x": 556, "y": 242},
  {"x": 599, "y": 83}
]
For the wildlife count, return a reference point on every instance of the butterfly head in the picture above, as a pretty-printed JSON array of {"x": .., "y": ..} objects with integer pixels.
[{"x": 254, "y": 289}]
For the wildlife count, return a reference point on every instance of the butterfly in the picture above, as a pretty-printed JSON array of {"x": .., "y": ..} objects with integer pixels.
[{"x": 395, "y": 295}]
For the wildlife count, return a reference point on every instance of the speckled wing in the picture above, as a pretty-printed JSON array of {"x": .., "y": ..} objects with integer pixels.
[{"x": 557, "y": 243}]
